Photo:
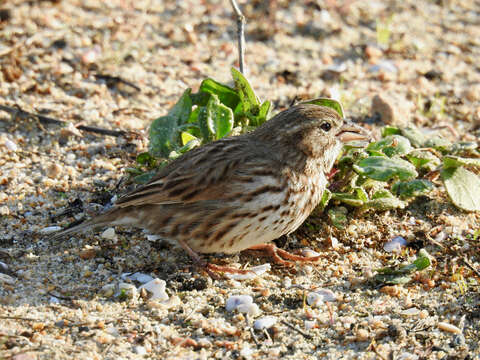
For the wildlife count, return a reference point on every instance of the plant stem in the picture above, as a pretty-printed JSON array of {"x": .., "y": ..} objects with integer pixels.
[{"x": 240, "y": 35}]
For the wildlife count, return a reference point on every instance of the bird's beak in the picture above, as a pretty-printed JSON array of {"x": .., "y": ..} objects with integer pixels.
[{"x": 350, "y": 132}]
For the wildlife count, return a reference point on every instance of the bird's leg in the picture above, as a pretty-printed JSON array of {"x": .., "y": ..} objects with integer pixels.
[
  {"x": 211, "y": 269},
  {"x": 281, "y": 256}
]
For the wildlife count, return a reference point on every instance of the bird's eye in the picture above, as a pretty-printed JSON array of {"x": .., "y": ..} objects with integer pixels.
[{"x": 326, "y": 126}]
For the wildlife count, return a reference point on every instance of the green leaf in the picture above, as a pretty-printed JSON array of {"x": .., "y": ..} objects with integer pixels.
[
  {"x": 423, "y": 260},
  {"x": 164, "y": 133},
  {"x": 439, "y": 144},
  {"x": 384, "y": 204},
  {"x": 383, "y": 169},
  {"x": 390, "y": 146},
  {"x": 146, "y": 159},
  {"x": 193, "y": 118},
  {"x": 326, "y": 196},
  {"x": 247, "y": 96},
  {"x": 390, "y": 130},
  {"x": 203, "y": 124},
  {"x": 187, "y": 137},
  {"x": 215, "y": 120},
  {"x": 463, "y": 188},
  {"x": 423, "y": 160},
  {"x": 264, "y": 111},
  {"x": 163, "y": 136},
  {"x": 412, "y": 188},
  {"x": 348, "y": 199},
  {"x": 456, "y": 161},
  {"x": 331, "y": 103},
  {"x": 464, "y": 146},
  {"x": 187, "y": 147},
  {"x": 200, "y": 98},
  {"x": 416, "y": 137},
  {"x": 182, "y": 109},
  {"x": 382, "y": 194},
  {"x": 226, "y": 94},
  {"x": 401, "y": 274}
]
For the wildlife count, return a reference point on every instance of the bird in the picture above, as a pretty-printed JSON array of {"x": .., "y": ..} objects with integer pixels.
[{"x": 239, "y": 192}]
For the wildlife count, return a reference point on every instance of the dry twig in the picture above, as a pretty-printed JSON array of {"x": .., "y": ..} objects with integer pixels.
[
  {"x": 18, "y": 113},
  {"x": 240, "y": 35}
]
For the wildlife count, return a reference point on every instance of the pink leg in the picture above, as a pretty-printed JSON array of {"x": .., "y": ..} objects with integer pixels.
[
  {"x": 281, "y": 256},
  {"x": 211, "y": 269}
]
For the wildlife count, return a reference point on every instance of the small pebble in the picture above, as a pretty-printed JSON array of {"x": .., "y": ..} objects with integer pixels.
[
  {"x": 396, "y": 331},
  {"x": 157, "y": 288},
  {"x": 53, "y": 171},
  {"x": 54, "y": 300},
  {"x": 362, "y": 335},
  {"x": 10, "y": 145},
  {"x": 4, "y": 210},
  {"x": 393, "y": 108},
  {"x": 337, "y": 67},
  {"x": 152, "y": 237},
  {"x": 334, "y": 242},
  {"x": 87, "y": 254},
  {"x": 140, "y": 277},
  {"x": 140, "y": 350},
  {"x": 109, "y": 234},
  {"x": 458, "y": 341},
  {"x": 237, "y": 300},
  {"x": 407, "y": 356},
  {"x": 449, "y": 327},
  {"x": 107, "y": 290},
  {"x": 310, "y": 324},
  {"x": 246, "y": 351},
  {"x": 243, "y": 304},
  {"x": 265, "y": 322},
  {"x": 383, "y": 65},
  {"x": 50, "y": 229},
  {"x": 395, "y": 245},
  {"x": 410, "y": 312},
  {"x": 320, "y": 296},
  {"x": 373, "y": 53}
]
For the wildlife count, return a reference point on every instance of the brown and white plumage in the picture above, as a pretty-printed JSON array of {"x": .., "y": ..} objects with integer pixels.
[{"x": 240, "y": 191}]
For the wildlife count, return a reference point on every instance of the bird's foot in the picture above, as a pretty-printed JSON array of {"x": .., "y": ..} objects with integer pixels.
[
  {"x": 211, "y": 269},
  {"x": 283, "y": 257}
]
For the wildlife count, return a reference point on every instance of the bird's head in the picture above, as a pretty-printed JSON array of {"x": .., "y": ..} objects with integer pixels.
[{"x": 314, "y": 131}]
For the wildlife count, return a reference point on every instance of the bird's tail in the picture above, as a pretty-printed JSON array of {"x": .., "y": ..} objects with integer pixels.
[{"x": 114, "y": 216}]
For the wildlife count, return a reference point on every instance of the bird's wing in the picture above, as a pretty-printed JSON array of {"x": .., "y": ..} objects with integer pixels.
[{"x": 201, "y": 174}]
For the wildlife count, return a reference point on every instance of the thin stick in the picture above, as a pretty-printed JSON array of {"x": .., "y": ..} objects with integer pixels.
[
  {"x": 293, "y": 327},
  {"x": 18, "y": 113},
  {"x": 240, "y": 34}
]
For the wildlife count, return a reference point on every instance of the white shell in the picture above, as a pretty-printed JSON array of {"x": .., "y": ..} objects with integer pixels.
[
  {"x": 109, "y": 234},
  {"x": 50, "y": 229},
  {"x": 157, "y": 288},
  {"x": 241, "y": 303},
  {"x": 10, "y": 145},
  {"x": 320, "y": 296},
  {"x": 265, "y": 322},
  {"x": 395, "y": 245},
  {"x": 254, "y": 272},
  {"x": 449, "y": 327}
]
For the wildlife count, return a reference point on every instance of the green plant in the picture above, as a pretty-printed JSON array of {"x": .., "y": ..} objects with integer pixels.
[{"x": 384, "y": 175}]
